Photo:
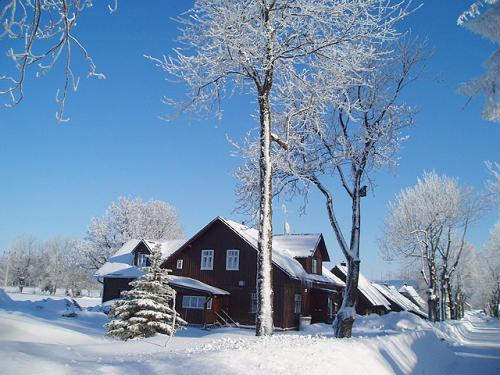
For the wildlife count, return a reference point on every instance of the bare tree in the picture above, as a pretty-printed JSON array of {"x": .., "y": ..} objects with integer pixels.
[
  {"x": 269, "y": 48},
  {"x": 125, "y": 219},
  {"x": 42, "y": 34}
]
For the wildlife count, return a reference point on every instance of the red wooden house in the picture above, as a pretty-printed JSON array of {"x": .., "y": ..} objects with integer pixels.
[{"x": 214, "y": 274}]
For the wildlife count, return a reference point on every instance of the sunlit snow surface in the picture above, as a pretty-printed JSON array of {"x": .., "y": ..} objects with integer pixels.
[{"x": 36, "y": 339}]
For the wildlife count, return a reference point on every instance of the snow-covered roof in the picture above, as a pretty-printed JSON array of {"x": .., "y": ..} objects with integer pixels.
[
  {"x": 300, "y": 245},
  {"x": 283, "y": 256},
  {"x": 367, "y": 289},
  {"x": 392, "y": 294},
  {"x": 412, "y": 294},
  {"x": 398, "y": 283},
  {"x": 118, "y": 270},
  {"x": 189, "y": 283},
  {"x": 167, "y": 248},
  {"x": 127, "y": 247}
]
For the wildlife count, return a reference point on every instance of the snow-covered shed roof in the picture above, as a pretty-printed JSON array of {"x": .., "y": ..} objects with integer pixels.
[
  {"x": 367, "y": 289},
  {"x": 189, "y": 283},
  {"x": 392, "y": 294},
  {"x": 412, "y": 294},
  {"x": 118, "y": 270},
  {"x": 398, "y": 283},
  {"x": 282, "y": 255}
]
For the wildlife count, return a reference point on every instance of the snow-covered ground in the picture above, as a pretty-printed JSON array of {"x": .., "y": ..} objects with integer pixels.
[{"x": 36, "y": 338}]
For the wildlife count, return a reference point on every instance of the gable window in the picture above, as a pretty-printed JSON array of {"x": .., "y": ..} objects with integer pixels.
[
  {"x": 196, "y": 302},
  {"x": 297, "y": 306},
  {"x": 179, "y": 264},
  {"x": 253, "y": 302},
  {"x": 314, "y": 266},
  {"x": 207, "y": 260},
  {"x": 142, "y": 260},
  {"x": 232, "y": 260}
]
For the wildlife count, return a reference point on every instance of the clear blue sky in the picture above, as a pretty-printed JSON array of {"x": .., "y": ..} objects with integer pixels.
[{"x": 55, "y": 177}]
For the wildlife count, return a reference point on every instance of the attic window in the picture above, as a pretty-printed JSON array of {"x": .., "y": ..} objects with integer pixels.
[
  {"x": 314, "y": 266},
  {"x": 142, "y": 260}
]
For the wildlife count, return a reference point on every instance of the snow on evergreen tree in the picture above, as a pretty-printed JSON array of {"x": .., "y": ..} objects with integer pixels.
[{"x": 148, "y": 308}]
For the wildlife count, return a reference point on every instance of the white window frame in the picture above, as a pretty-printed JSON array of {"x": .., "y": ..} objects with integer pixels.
[
  {"x": 196, "y": 302},
  {"x": 207, "y": 260},
  {"x": 314, "y": 265},
  {"x": 232, "y": 260},
  {"x": 142, "y": 259},
  {"x": 297, "y": 303},
  {"x": 180, "y": 263},
  {"x": 253, "y": 302}
]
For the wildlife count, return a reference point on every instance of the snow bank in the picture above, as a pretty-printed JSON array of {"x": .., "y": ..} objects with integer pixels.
[
  {"x": 396, "y": 343},
  {"x": 4, "y": 298}
]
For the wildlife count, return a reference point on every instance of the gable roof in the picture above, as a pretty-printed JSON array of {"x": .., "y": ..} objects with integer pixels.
[{"x": 366, "y": 288}]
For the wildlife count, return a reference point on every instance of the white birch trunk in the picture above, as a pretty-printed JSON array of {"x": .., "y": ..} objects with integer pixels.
[{"x": 264, "y": 324}]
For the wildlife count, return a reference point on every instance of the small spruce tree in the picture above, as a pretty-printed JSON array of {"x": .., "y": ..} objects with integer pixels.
[{"x": 148, "y": 307}]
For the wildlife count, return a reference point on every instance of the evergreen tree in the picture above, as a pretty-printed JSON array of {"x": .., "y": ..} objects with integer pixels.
[{"x": 148, "y": 307}]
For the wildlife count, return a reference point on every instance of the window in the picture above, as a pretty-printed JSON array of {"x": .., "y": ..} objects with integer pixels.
[
  {"x": 297, "y": 306},
  {"x": 179, "y": 264},
  {"x": 253, "y": 302},
  {"x": 232, "y": 260},
  {"x": 314, "y": 266},
  {"x": 142, "y": 260},
  {"x": 207, "y": 260},
  {"x": 196, "y": 302}
]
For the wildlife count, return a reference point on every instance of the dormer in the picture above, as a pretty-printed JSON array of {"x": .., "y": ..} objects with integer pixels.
[
  {"x": 308, "y": 249},
  {"x": 141, "y": 255}
]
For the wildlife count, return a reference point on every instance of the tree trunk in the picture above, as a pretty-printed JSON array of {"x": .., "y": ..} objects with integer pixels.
[
  {"x": 347, "y": 313},
  {"x": 432, "y": 293},
  {"x": 342, "y": 326},
  {"x": 264, "y": 323}
]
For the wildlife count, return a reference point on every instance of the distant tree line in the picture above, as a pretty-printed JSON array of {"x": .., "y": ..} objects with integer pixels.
[{"x": 70, "y": 263}]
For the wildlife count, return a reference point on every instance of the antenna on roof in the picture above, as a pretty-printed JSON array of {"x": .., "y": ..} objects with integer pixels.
[{"x": 286, "y": 226}]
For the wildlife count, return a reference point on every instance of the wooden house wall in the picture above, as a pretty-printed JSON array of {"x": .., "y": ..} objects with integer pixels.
[
  {"x": 241, "y": 283},
  {"x": 113, "y": 286}
]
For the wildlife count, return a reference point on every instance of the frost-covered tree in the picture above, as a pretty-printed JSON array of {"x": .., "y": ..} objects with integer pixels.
[
  {"x": 22, "y": 261},
  {"x": 429, "y": 222},
  {"x": 491, "y": 280},
  {"x": 349, "y": 133},
  {"x": 128, "y": 218},
  {"x": 270, "y": 49},
  {"x": 41, "y": 34},
  {"x": 148, "y": 308},
  {"x": 483, "y": 18}
]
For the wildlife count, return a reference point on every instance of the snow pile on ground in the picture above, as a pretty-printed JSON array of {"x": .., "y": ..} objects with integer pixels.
[{"x": 41, "y": 341}]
